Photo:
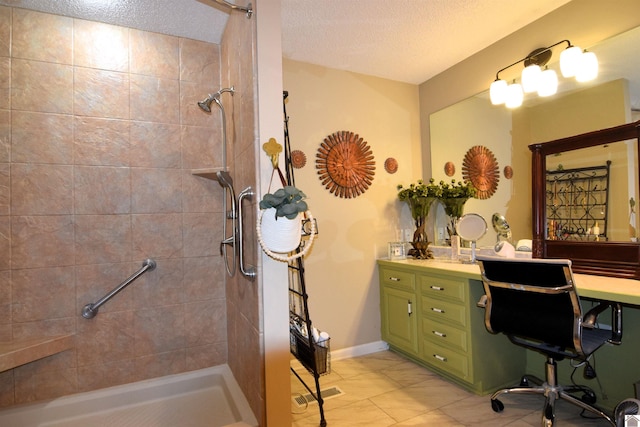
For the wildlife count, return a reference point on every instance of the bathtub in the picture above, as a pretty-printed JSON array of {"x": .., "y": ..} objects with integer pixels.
[{"x": 205, "y": 398}]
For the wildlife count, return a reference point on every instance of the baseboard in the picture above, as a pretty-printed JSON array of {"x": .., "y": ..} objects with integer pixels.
[{"x": 359, "y": 350}]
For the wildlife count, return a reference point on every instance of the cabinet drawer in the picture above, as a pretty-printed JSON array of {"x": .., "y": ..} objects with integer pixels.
[
  {"x": 441, "y": 287},
  {"x": 444, "y": 311},
  {"x": 446, "y": 335},
  {"x": 398, "y": 279},
  {"x": 447, "y": 360}
]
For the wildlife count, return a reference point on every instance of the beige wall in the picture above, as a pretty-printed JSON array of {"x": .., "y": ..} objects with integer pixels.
[
  {"x": 96, "y": 150},
  {"x": 340, "y": 269}
]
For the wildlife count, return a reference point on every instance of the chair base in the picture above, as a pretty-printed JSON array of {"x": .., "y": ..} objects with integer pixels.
[{"x": 552, "y": 392}]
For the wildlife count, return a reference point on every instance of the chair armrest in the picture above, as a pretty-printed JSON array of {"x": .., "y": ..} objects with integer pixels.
[
  {"x": 591, "y": 317},
  {"x": 482, "y": 302}
]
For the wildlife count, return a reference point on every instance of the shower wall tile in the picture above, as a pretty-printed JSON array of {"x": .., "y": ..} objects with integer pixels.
[
  {"x": 5, "y": 244},
  {"x": 96, "y": 280},
  {"x": 41, "y": 86},
  {"x": 157, "y": 236},
  {"x": 154, "y": 54},
  {"x": 107, "y": 374},
  {"x": 48, "y": 328},
  {"x": 154, "y": 99},
  {"x": 201, "y": 231},
  {"x": 198, "y": 274},
  {"x": 5, "y": 193},
  {"x": 159, "y": 330},
  {"x": 98, "y": 45},
  {"x": 156, "y": 190},
  {"x": 100, "y": 93},
  {"x": 6, "y": 389},
  {"x": 42, "y": 241},
  {"x": 191, "y": 114},
  {"x": 201, "y": 194},
  {"x": 201, "y": 148},
  {"x": 5, "y": 31},
  {"x": 32, "y": 387},
  {"x": 102, "y": 239},
  {"x": 159, "y": 364},
  {"x": 5, "y": 306},
  {"x": 41, "y": 189},
  {"x": 205, "y": 322},
  {"x": 155, "y": 145},
  {"x": 199, "y": 63},
  {"x": 41, "y": 293},
  {"x": 164, "y": 287},
  {"x": 102, "y": 190},
  {"x": 203, "y": 356},
  {"x": 5, "y": 82},
  {"x": 41, "y": 36},
  {"x": 41, "y": 138},
  {"x": 101, "y": 142},
  {"x": 113, "y": 328}
]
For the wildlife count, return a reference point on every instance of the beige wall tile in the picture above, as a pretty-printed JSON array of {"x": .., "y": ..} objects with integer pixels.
[
  {"x": 41, "y": 138},
  {"x": 190, "y": 113},
  {"x": 200, "y": 62},
  {"x": 102, "y": 190},
  {"x": 5, "y": 301},
  {"x": 200, "y": 194},
  {"x": 99, "y": 93},
  {"x": 156, "y": 190},
  {"x": 203, "y": 356},
  {"x": 157, "y": 236},
  {"x": 205, "y": 322},
  {"x": 5, "y": 192},
  {"x": 154, "y": 99},
  {"x": 45, "y": 385},
  {"x": 107, "y": 374},
  {"x": 160, "y": 287},
  {"x": 47, "y": 328},
  {"x": 41, "y": 293},
  {"x": 101, "y": 142},
  {"x": 5, "y": 83},
  {"x": 41, "y": 189},
  {"x": 41, "y": 36},
  {"x": 159, "y": 364},
  {"x": 155, "y": 145},
  {"x": 202, "y": 234},
  {"x": 154, "y": 54},
  {"x": 198, "y": 272},
  {"x": 42, "y": 241},
  {"x": 202, "y": 148},
  {"x": 103, "y": 239},
  {"x": 5, "y": 30},
  {"x": 159, "y": 329},
  {"x": 98, "y": 45},
  {"x": 41, "y": 86},
  {"x": 115, "y": 328},
  {"x": 96, "y": 280}
]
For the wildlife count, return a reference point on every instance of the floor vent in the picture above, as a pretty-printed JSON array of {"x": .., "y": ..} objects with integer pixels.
[{"x": 328, "y": 393}]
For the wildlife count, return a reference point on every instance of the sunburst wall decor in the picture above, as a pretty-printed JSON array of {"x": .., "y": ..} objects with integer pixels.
[
  {"x": 345, "y": 164},
  {"x": 481, "y": 169}
]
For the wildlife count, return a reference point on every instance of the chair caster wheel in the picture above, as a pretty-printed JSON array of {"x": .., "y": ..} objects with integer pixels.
[
  {"x": 497, "y": 406},
  {"x": 524, "y": 382},
  {"x": 548, "y": 417},
  {"x": 589, "y": 397}
]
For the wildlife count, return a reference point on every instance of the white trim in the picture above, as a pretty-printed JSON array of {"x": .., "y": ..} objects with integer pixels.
[{"x": 359, "y": 350}]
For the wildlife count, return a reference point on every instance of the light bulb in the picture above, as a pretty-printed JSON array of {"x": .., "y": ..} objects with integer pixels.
[
  {"x": 588, "y": 68},
  {"x": 548, "y": 84},
  {"x": 530, "y": 78},
  {"x": 498, "y": 92},
  {"x": 515, "y": 96},
  {"x": 569, "y": 60}
]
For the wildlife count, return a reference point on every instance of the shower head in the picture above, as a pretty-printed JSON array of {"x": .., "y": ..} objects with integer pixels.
[{"x": 205, "y": 105}]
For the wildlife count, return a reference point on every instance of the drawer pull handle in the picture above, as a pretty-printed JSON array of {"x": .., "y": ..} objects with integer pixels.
[
  {"x": 440, "y": 358},
  {"x": 394, "y": 279},
  {"x": 437, "y": 310},
  {"x": 439, "y": 334},
  {"x": 436, "y": 288}
]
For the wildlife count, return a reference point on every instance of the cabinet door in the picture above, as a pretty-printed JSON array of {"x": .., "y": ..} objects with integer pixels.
[{"x": 399, "y": 320}]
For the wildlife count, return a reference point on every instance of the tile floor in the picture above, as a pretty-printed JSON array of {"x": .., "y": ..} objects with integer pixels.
[{"x": 384, "y": 389}]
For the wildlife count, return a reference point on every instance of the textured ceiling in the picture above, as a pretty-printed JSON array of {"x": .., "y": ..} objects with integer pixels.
[{"x": 404, "y": 40}]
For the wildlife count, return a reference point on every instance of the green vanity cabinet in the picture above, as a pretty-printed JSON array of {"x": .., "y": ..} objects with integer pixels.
[
  {"x": 445, "y": 331},
  {"x": 398, "y": 303}
]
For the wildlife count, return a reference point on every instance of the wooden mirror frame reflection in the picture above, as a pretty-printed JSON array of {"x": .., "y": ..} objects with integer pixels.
[{"x": 615, "y": 259}]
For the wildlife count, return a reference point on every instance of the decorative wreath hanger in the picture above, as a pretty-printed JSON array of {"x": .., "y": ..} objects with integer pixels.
[{"x": 345, "y": 164}]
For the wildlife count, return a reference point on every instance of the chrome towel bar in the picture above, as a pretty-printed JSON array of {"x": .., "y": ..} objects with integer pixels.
[{"x": 90, "y": 310}]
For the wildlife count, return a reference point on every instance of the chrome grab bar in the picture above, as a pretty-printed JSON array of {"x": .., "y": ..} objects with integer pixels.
[
  {"x": 247, "y": 271},
  {"x": 90, "y": 310}
]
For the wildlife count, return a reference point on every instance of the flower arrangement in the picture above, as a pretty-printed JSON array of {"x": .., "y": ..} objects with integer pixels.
[
  {"x": 419, "y": 197},
  {"x": 455, "y": 195},
  {"x": 288, "y": 202}
]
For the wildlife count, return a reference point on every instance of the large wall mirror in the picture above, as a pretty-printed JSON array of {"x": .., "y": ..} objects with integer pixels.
[{"x": 612, "y": 100}]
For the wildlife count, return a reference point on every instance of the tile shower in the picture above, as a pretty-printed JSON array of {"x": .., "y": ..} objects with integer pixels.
[{"x": 99, "y": 130}]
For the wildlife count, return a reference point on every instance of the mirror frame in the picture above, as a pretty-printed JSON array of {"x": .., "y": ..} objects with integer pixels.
[{"x": 615, "y": 259}]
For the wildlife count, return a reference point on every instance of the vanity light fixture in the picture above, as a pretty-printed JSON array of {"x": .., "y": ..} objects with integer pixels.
[{"x": 537, "y": 77}]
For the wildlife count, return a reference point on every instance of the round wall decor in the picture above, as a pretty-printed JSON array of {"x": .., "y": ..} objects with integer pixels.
[
  {"x": 345, "y": 164},
  {"x": 481, "y": 169},
  {"x": 298, "y": 159},
  {"x": 449, "y": 169},
  {"x": 391, "y": 165},
  {"x": 508, "y": 172}
]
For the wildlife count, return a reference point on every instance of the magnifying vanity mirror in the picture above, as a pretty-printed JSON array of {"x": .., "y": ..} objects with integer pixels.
[
  {"x": 501, "y": 227},
  {"x": 471, "y": 227}
]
